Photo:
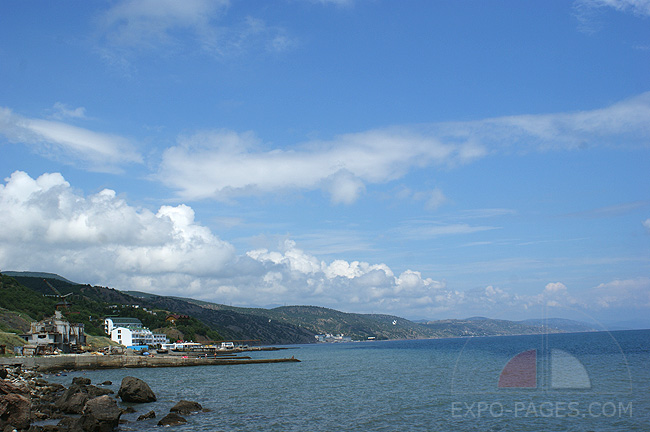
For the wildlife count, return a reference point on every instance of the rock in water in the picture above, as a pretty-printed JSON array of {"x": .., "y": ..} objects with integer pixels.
[
  {"x": 171, "y": 419},
  {"x": 186, "y": 407},
  {"x": 147, "y": 416},
  {"x": 81, "y": 380},
  {"x": 100, "y": 414},
  {"x": 135, "y": 390}
]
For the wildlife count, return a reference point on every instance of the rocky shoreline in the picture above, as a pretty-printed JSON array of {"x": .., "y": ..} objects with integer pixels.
[{"x": 27, "y": 399}]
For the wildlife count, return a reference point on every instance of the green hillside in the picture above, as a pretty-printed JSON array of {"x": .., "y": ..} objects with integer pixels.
[{"x": 29, "y": 296}]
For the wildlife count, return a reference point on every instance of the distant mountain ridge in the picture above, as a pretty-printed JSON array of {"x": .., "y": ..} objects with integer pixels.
[
  {"x": 41, "y": 275},
  {"x": 295, "y": 324}
]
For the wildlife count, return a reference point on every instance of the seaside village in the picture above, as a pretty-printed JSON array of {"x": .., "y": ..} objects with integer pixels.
[{"x": 55, "y": 335}]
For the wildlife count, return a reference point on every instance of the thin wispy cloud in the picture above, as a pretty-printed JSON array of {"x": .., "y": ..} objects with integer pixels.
[
  {"x": 611, "y": 211},
  {"x": 421, "y": 230},
  {"x": 130, "y": 27},
  {"x": 485, "y": 213},
  {"x": 625, "y": 124},
  {"x": 588, "y": 12},
  {"x": 637, "y": 7},
  {"x": 61, "y": 111},
  {"x": 94, "y": 151}
]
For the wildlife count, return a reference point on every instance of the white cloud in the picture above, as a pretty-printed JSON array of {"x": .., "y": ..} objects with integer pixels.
[
  {"x": 61, "y": 111},
  {"x": 637, "y": 7},
  {"x": 222, "y": 164},
  {"x": 646, "y": 224},
  {"x": 432, "y": 199},
  {"x": 172, "y": 26},
  {"x": 588, "y": 12},
  {"x": 623, "y": 124},
  {"x": 71, "y": 144},
  {"x": 334, "y": 2},
  {"x": 151, "y": 23},
  {"x": 44, "y": 222},
  {"x": 622, "y": 293},
  {"x": 225, "y": 164},
  {"x": 343, "y": 187},
  {"x": 427, "y": 229},
  {"x": 45, "y": 225}
]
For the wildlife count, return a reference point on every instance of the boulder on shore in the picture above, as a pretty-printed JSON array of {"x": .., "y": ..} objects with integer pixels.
[
  {"x": 15, "y": 411},
  {"x": 74, "y": 398},
  {"x": 186, "y": 407},
  {"x": 171, "y": 419},
  {"x": 100, "y": 414},
  {"x": 135, "y": 390},
  {"x": 15, "y": 406}
]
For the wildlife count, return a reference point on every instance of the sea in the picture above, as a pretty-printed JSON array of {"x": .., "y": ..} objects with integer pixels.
[{"x": 596, "y": 381}]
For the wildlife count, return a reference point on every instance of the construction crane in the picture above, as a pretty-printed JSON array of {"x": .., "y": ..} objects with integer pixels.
[{"x": 63, "y": 303}]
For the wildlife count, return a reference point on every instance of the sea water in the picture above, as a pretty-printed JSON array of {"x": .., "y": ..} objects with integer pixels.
[{"x": 579, "y": 382}]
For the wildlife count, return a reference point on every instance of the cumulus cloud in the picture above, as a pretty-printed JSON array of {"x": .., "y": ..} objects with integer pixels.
[
  {"x": 44, "y": 222},
  {"x": 554, "y": 294},
  {"x": 47, "y": 225},
  {"x": 358, "y": 285},
  {"x": 96, "y": 151},
  {"x": 622, "y": 292},
  {"x": 646, "y": 224}
]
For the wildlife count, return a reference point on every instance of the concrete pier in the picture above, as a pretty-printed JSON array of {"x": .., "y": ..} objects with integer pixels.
[{"x": 85, "y": 361}]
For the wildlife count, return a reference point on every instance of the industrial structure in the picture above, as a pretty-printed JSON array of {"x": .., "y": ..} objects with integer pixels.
[{"x": 54, "y": 334}]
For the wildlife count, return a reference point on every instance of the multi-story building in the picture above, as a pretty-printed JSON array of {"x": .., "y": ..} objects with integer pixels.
[
  {"x": 55, "y": 333},
  {"x": 131, "y": 333}
]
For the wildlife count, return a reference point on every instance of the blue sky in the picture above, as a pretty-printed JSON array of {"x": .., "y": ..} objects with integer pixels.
[{"x": 426, "y": 159}]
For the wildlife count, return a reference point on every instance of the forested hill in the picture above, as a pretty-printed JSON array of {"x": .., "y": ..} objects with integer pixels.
[{"x": 35, "y": 295}]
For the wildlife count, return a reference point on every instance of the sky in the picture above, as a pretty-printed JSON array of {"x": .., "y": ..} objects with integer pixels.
[{"x": 427, "y": 159}]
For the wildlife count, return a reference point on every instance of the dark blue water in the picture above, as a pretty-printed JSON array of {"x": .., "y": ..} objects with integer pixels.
[{"x": 582, "y": 382}]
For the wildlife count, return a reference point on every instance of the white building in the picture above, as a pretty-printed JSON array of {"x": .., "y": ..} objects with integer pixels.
[
  {"x": 332, "y": 338},
  {"x": 130, "y": 332},
  {"x": 113, "y": 322}
]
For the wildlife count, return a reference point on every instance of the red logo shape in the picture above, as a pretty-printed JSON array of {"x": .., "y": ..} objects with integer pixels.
[{"x": 520, "y": 371}]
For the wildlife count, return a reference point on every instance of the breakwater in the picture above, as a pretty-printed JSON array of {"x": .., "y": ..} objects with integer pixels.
[{"x": 82, "y": 361}]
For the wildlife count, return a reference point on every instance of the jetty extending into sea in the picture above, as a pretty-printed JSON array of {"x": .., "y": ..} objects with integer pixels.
[{"x": 61, "y": 362}]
